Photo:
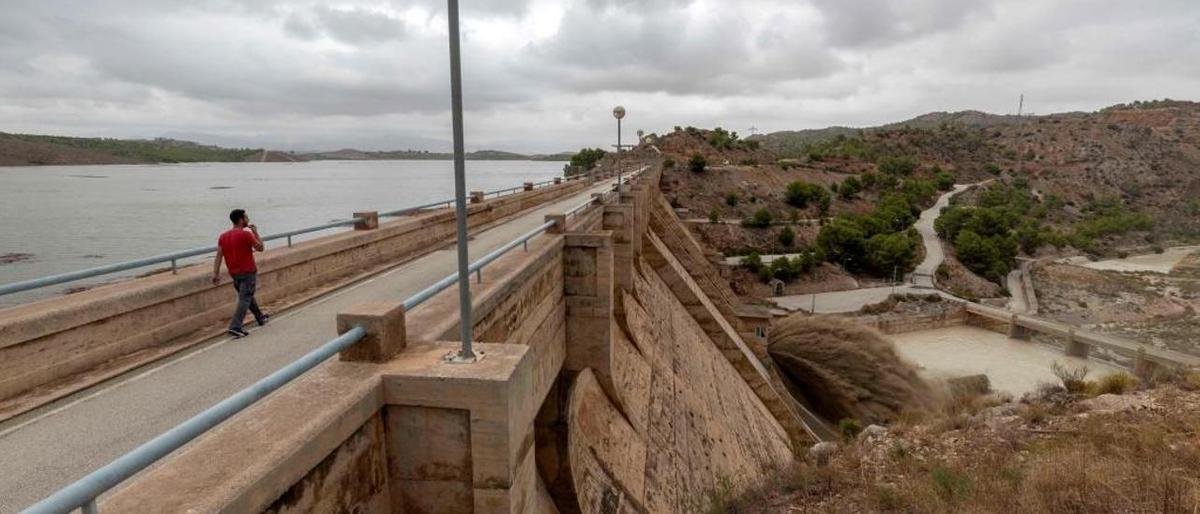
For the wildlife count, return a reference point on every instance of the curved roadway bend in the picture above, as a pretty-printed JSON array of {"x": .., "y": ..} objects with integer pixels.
[
  {"x": 934, "y": 255},
  {"x": 920, "y": 281},
  {"x": 51, "y": 447}
]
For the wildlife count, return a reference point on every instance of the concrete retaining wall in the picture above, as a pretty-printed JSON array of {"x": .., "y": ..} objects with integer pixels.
[
  {"x": 951, "y": 318},
  {"x": 51, "y": 340}
]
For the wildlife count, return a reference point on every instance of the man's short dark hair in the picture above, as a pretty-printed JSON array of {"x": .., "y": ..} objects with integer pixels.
[{"x": 236, "y": 215}]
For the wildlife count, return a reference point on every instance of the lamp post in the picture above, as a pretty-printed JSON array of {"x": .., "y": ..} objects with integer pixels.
[
  {"x": 618, "y": 113},
  {"x": 465, "y": 355}
]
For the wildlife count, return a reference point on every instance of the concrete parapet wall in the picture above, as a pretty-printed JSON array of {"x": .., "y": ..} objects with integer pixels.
[
  {"x": 951, "y": 318},
  {"x": 53, "y": 339},
  {"x": 642, "y": 412}
]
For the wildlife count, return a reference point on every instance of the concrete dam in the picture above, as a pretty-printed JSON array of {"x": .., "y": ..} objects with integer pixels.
[{"x": 616, "y": 376}]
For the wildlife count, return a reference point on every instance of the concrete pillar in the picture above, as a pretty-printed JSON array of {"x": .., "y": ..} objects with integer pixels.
[
  {"x": 619, "y": 219},
  {"x": 386, "y": 333},
  {"x": 476, "y": 196},
  {"x": 369, "y": 220},
  {"x": 529, "y": 186},
  {"x": 1143, "y": 367},
  {"x": 557, "y": 180},
  {"x": 1016, "y": 331},
  {"x": 429, "y": 459},
  {"x": 1077, "y": 348},
  {"x": 560, "y": 223},
  {"x": 588, "y": 274},
  {"x": 461, "y": 437}
]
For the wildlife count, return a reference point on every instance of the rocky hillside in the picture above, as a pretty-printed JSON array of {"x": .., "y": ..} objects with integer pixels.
[
  {"x": 1053, "y": 451},
  {"x": 1061, "y": 184}
]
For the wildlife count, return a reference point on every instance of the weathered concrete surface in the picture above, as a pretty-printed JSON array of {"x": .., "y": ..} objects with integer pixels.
[
  {"x": 416, "y": 389},
  {"x": 705, "y": 423},
  {"x": 51, "y": 447},
  {"x": 677, "y": 419},
  {"x": 49, "y": 341}
]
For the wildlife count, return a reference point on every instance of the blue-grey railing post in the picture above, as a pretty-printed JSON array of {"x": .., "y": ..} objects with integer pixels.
[
  {"x": 289, "y": 241},
  {"x": 466, "y": 323},
  {"x": 174, "y": 268},
  {"x": 90, "y": 507}
]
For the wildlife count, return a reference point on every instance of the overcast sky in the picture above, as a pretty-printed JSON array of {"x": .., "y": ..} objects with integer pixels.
[{"x": 543, "y": 75}]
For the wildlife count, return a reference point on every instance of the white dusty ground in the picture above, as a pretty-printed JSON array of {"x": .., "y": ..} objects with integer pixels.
[
  {"x": 1013, "y": 366},
  {"x": 1153, "y": 262}
]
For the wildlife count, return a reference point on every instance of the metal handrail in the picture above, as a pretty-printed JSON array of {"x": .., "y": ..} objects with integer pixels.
[
  {"x": 475, "y": 267},
  {"x": 84, "y": 492},
  {"x": 174, "y": 257}
]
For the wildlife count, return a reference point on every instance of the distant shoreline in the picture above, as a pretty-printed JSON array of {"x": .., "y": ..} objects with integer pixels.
[
  {"x": 46, "y": 165},
  {"x": 30, "y": 150}
]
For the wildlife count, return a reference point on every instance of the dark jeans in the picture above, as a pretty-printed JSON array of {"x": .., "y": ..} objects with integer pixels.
[{"x": 244, "y": 284}]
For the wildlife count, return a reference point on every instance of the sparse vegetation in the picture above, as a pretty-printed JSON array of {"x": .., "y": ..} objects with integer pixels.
[
  {"x": 787, "y": 236},
  {"x": 697, "y": 163},
  {"x": 799, "y": 194},
  {"x": 760, "y": 219}
]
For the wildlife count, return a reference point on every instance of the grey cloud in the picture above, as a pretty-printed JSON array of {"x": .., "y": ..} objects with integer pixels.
[
  {"x": 607, "y": 49},
  {"x": 262, "y": 70},
  {"x": 866, "y": 23},
  {"x": 354, "y": 26}
]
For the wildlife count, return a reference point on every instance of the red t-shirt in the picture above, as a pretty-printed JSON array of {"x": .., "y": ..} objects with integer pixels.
[{"x": 238, "y": 247}]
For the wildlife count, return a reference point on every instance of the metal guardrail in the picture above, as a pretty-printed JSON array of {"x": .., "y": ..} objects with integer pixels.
[
  {"x": 82, "y": 494},
  {"x": 174, "y": 257}
]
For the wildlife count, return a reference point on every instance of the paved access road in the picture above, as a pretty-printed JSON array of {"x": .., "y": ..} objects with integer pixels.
[
  {"x": 51, "y": 447},
  {"x": 921, "y": 281},
  {"x": 934, "y": 255}
]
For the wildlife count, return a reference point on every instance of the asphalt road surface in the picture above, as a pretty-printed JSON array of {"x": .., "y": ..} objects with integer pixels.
[{"x": 46, "y": 449}]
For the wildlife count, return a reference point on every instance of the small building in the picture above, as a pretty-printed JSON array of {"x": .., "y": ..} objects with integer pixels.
[
  {"x": 757, "y": 321},
  {"x": 776, "y": 287}
]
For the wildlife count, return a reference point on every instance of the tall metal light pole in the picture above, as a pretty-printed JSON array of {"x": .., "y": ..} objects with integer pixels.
[
  {"x": 618, "y": 113},
  {"x": 465, "y": 355}
]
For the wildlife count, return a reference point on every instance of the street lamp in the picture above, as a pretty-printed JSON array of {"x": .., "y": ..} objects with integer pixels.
[
  {"x": 465, "y": 355},
  {"x": 618, "y": 113}
]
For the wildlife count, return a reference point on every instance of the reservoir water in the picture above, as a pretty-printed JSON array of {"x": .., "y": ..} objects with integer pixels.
[
  {"x": 1013, "y": 366},
  {"x": 55, "y": 219}
]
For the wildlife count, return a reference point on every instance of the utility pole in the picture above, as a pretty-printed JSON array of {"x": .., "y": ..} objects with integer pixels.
[
  {"x": 465, "y": 355},
  {"x": 618, "y": 113}
]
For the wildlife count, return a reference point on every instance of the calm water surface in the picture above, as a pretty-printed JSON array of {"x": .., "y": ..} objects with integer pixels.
[{"x": 72, "y": 217}]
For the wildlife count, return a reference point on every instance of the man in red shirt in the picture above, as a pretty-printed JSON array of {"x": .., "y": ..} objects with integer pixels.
[{"x": 237, "y": 246}]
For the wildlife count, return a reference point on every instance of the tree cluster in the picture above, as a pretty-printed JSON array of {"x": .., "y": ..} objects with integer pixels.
[{"x": 583, "y": 161}]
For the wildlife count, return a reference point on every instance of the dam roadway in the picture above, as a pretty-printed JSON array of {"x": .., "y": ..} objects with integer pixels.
[{"x": 52, "y": 446}]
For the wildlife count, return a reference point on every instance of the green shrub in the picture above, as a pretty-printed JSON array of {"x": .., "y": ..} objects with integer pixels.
[
  {"x": 944, "y": 181},
  {"x": 731, "y": 199},
  {"x": 798, "y": 194},
  {"x": 850, "y": 187},
  {"x": 897, "y": 165},
  {"x": 697, "y": 163},
  {"x": 761, "y": 219},
  {"x": 849, "y": 427},
  {"x": 669, "y": 164},
  {"x": 583, "y": 161},
  {"x": 714, "y": 216},
  {"x": 752, "y": 262},
  {"x": 787, "y": 236}
]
